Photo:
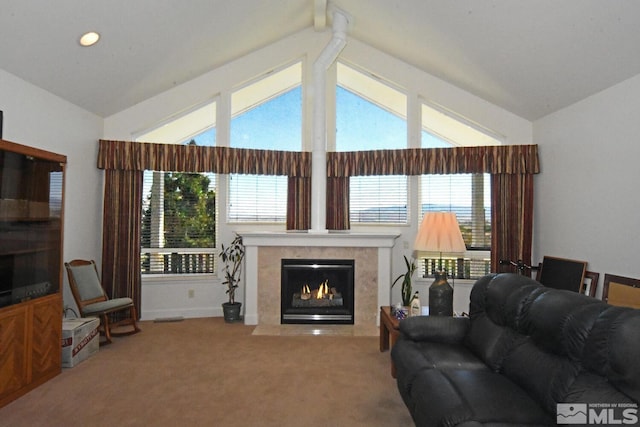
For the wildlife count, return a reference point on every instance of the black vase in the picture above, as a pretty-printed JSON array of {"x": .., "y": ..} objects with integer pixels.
[
  {"x": 231, "y": 311},
  {"x": 440, "y": 296}
]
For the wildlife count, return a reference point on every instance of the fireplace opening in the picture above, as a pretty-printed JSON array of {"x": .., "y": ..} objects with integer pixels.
[{"x": 317, "y": 291}]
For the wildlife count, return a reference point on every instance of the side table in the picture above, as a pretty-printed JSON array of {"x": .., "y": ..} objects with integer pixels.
[{"x": 388, "y": 332}]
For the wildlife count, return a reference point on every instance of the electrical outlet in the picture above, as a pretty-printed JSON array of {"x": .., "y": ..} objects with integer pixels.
[
  {"x": 406, "y": 244},
  {"x": 191, "y": 293}
]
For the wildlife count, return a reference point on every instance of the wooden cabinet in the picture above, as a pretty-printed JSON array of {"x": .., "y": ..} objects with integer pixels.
[
  {"x": 31, "y": 218},
  {"x": 30, "y": 336}
]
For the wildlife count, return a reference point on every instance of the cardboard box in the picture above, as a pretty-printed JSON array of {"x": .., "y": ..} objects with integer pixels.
[{"x": 80, "y": 339}]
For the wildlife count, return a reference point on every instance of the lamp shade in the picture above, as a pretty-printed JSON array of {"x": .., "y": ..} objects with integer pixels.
[{"x": 440, "y": 232}]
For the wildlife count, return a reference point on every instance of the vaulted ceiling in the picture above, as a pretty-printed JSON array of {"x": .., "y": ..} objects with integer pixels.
[{"x": 529, "y": 57}]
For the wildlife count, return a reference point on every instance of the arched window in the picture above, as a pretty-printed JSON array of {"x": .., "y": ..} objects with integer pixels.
[
  {"x": 371, "y": 115},
  {"x": 266, "y": 114}
]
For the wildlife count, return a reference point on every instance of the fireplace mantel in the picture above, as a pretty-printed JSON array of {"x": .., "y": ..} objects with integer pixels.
[
  {"x": 291, "y": 243},
  {"x": 329, "y": 239}
]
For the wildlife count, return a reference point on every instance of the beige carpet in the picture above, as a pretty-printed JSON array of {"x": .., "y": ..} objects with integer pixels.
[{"x": 203, "y": 372}]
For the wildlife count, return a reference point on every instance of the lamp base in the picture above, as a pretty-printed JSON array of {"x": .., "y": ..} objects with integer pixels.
[{"x": 440, "y": 296}]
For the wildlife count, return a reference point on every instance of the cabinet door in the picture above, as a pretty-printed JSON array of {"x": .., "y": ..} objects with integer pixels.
[
  {"x": 47, "y": 336},
  {"x": 13, "y": 356}
]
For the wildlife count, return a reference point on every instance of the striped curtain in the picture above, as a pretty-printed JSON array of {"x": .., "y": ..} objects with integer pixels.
[
  {"x": 499, "y": 159},
  {"x": 128, "y": 155},
  {"x": 298, "y": 203},
  {"x": 511, "y": 218},
  {"x": 121, "y": 234},
  {"x": 338, "y": 203}
]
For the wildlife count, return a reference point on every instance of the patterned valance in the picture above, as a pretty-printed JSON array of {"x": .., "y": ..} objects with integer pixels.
[
  {"x": 129, "y": 155},
  {"x": 498, "y": 159}
]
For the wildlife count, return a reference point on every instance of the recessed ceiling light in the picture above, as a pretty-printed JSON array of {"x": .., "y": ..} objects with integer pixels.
[{"x": 89, "y": 39}]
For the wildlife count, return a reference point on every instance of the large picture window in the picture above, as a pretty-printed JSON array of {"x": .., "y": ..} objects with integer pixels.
[
  {"x": 371, "y": 115},
  {"x": 178, "y": 223},
  {"x": 266, "y": 115},
  {"x": 467, "y": 195},
  {"x": 179, "y": 212}
]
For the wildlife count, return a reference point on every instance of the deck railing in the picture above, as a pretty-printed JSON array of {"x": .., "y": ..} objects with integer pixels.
[
  {"x": 178, "y": 261},
  {"x": 460, "y": 268}
]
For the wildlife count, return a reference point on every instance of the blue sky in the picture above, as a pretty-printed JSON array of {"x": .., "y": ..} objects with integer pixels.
[{"x": 277, "y": 124}]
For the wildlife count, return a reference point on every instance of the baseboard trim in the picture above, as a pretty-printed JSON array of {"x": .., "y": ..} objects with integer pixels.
[{"x": 185, "y": 313}]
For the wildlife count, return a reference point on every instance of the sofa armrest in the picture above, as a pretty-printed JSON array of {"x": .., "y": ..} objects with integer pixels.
[{"x": 444, "y": 329}]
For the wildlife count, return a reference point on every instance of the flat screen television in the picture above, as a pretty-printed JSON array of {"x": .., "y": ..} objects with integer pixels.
[{"x": 22, "y": 282}]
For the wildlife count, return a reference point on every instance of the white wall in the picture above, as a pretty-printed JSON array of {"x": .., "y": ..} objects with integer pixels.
[
  {"x": 587, "y": 204},
  {"x": 305, "y": 45},
  {"x": 37, "y": 118}
]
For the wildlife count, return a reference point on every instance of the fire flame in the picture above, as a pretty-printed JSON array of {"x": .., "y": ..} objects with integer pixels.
[
  {"x": 322, "y": 290},
  {"x": 320, "y": 293}
]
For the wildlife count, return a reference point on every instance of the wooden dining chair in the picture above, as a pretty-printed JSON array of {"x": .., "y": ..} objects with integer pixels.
[
  {"x": 621, "y": 291},
  {"x": 92, "y": 301}
]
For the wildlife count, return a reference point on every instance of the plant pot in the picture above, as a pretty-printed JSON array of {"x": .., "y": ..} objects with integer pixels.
[{"x": 231, "y": 311}]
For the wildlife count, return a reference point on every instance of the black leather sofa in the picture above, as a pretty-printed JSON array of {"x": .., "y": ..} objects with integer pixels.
[{"x": 523, "y": 349}]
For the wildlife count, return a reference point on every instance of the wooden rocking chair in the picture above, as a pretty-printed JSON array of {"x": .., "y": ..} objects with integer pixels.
[{"x": 92, "y": 301}]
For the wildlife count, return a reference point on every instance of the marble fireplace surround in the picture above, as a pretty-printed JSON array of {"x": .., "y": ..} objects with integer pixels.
[{"x": 264, "y": 250}]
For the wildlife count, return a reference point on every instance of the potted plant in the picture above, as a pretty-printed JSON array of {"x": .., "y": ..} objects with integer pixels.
[
  {"x": 406, "y": 281},
  {"x": 232, "y": 257}
]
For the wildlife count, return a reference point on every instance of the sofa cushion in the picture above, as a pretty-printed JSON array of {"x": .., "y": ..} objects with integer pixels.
[
  {"x": 546, "y": 376},
  {"x": 444, "y": 329},
  {"x": 613, "y": 349},
  {"x": 106, "y": 306},
  {"x": 412, "y": 358},
  {"x": 591, "y": 388},
  {"x": 506, "y": 296},
  {"x": 556, "y": 324},
  {"x": 477, "y": 298},
  {"x": 449, "y": 397},
  {"x": 550, "y": 321},
  {"x": 577, "y": 328},
  {"x": 497, "y": 309},
  {"x": 491, "y": 342}
]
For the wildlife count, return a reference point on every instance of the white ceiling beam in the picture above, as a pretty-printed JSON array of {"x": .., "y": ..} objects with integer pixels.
[{"x": 319, "y": 14}]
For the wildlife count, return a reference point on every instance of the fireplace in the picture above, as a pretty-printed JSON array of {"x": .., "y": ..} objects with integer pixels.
[{"x": 317, "y": 291}]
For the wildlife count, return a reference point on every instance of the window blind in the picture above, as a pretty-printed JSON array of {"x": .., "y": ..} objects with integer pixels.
[
  {"x": 257, "y": 198},
  {"x": 378, "y": 199}
]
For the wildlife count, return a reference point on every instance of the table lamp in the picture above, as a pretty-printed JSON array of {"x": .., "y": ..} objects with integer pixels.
[{"x": 439, "y": 232}]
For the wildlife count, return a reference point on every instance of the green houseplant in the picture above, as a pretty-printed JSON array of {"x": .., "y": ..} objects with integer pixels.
[
  {"x": 232, "y": 257},
  {"x": 406, "y": 281}
]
